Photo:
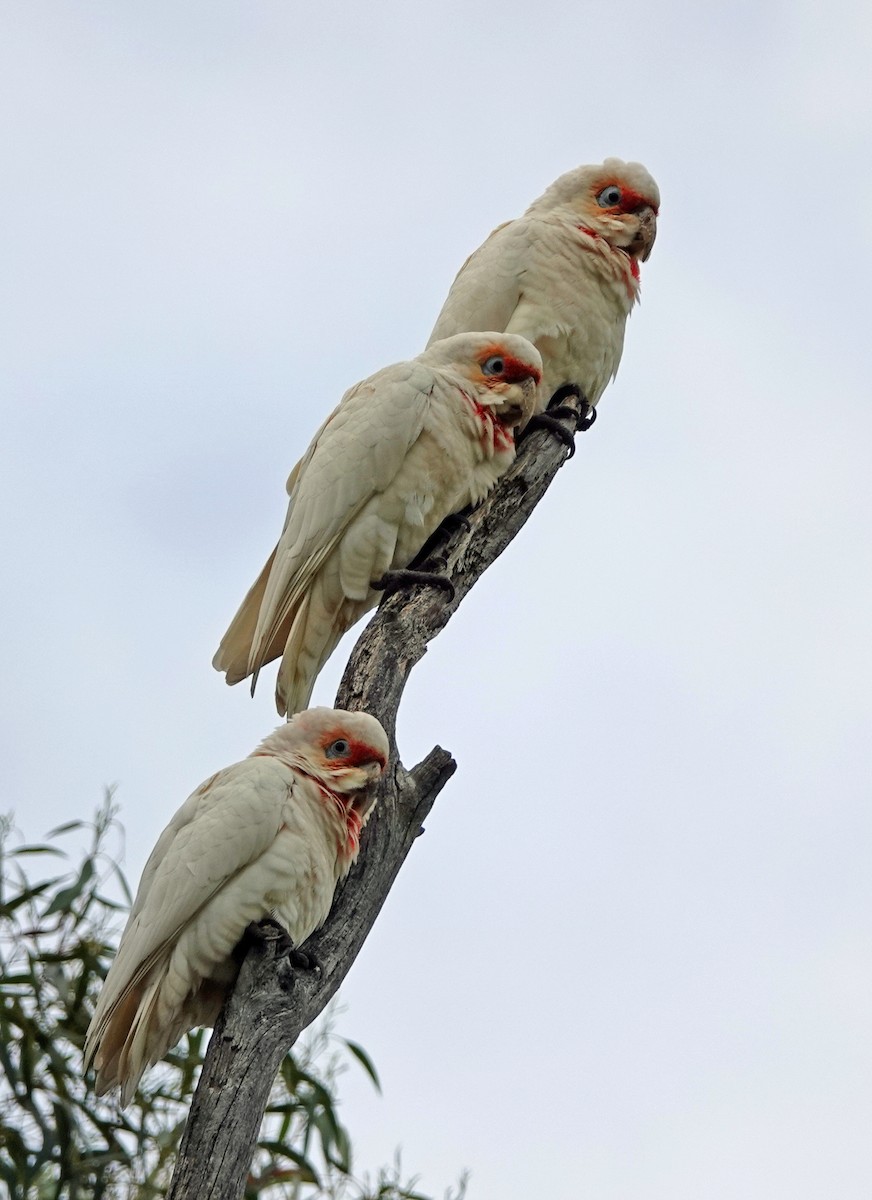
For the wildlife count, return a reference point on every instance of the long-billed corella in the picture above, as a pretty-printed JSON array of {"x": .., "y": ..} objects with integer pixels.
[
  {"x": 406, "y": 448},
  {"x": 565, "y": 275},
  {"x": 270, "y": 836}
]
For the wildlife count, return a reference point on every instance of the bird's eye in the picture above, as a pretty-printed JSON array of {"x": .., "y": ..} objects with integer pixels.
[
  {"x": 495, "y": 365},
  {"x": 338, "y": 749},
  {"x": 609, "y": 196}
]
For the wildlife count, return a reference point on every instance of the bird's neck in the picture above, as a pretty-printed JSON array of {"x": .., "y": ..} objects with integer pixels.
[
  {"x": 618, "y": 266},
  {"x": 493, "y": 436}
]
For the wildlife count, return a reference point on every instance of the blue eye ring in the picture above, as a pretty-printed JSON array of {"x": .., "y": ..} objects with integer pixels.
[
  {"x": 338, "y": 749},
  {"x": 495, "y": 365},
  {"x": 610, "y": 196}
]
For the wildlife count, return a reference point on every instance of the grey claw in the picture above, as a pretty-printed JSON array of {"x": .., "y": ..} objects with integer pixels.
[
  {"x": 548, "y": 420},
  {"x": 395, "y": 581}
]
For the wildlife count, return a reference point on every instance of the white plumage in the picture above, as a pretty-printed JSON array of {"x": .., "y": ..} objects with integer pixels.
[
  {"x": 269, "y": 836},
  {"x": 406, "y": 448},
  {"x": 565, "y": 275}
]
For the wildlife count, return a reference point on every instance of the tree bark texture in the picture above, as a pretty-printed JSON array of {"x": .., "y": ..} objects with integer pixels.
[{"x": 272, "y": 1003}]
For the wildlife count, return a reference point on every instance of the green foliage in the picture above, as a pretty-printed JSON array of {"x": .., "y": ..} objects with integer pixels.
[{"x": 57, "y": 1140}]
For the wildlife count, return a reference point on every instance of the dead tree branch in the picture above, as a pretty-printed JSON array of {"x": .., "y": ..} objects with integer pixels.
[{"x": 271, "y": 1003}]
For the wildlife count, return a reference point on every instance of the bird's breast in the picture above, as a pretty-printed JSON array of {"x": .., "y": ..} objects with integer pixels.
[{"x": 492, "y": 436}]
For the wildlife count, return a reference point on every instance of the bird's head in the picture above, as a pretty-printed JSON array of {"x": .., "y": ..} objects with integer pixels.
[
  {"x": 347, "y": 752},
  {"x": 617, "y": 201},
  {"x": 503, "y": 368}
]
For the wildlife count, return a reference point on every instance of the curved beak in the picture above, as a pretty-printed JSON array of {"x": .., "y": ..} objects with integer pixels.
[
  {"x": 375, "y": 768},
  {"x": 642, "y": 243},
  {"x": 517, "y": 411},
  {"x": 363, "y": 800},
  {"x": 529, "y": 406}
]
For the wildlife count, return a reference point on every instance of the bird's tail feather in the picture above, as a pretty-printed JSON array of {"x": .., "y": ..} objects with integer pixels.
[
  {"x": 321, "y": 619},
  {"x": 233, "y": 656}
]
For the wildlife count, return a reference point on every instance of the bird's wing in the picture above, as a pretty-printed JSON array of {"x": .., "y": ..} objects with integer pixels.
[
  {"x": 356, "y": 455},
  {"x": 228, "y": 823},
  {"x": 234, "y": 652},
  {"x": 489, "y": 285},
  {"x": 300, "y": 466},
  {"x": 519, "y": 281}
]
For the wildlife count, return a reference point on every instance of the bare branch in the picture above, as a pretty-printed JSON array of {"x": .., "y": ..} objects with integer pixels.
[{"x": 271, "y": 1003}]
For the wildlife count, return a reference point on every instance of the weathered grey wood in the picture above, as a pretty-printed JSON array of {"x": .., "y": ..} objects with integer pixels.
[{"x": 271, "y": 1003}]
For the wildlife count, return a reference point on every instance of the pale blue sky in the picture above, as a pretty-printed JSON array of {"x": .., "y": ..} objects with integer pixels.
[{"x": 630, "y": 959}]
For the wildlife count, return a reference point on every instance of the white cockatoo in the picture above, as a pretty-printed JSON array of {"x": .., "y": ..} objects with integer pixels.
[
  {"x": 565, "y": 275},
  {"x": 270, "y": 836},
  {"x": 406, "y": 448}
]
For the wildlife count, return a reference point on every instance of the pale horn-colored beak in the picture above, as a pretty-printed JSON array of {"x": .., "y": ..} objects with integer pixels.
[{"x": 642, "y": 243}]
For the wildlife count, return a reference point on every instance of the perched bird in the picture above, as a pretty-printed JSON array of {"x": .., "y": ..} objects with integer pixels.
[
  {"x": 565, "y": 275},
  {"x": 270, "y": 836},
  {"x": 406, "y": 448}
]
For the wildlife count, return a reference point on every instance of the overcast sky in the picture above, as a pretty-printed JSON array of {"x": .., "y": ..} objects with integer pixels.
[{"x": 630, "y": 959}]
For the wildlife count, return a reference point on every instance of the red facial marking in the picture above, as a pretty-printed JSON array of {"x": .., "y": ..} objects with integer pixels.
[
  {"x": 633, "y": 263},
  {"x": 354, "y": 825},
  {"x": 503, "y": 438},
  {"x": 630, "y": 202},
  {"x": 344, "y": 806},
  {"x": 492, "y": 429},
  {"x": 515, "y": 370},
  {"x": 359, "y": 753}
]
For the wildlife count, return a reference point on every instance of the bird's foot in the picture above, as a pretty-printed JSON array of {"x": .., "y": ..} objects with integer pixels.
[
  {"x": 264, "y": 933},
  {"x": 429, "y": 552},
  {"x": 268, "y": 935},
  {"x": 566, "y": 391},
  {"x": 552, "y": 423},
  {"x": 557, "y": 412},
  {"x": 455, "y": 521},
  {"x": 303, "y": 960},
  {"x": 584, "y": 416},
  {"x": 395, "y": 581}
]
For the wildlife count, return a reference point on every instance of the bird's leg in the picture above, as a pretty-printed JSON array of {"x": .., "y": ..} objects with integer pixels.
[
  {"x": 303, "y": 960},
  {"x": 428, "y": 569},
  {"x": 557, "y": 412},
  {"x": 395, "y": 581},
  {"x": 270, "y": 932},
  {"x": 553, "y": 425},
  {"x": 262, "y": 933},
  {"x": 452, "y": 523},
  {"x": 584, "y": 416}
]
